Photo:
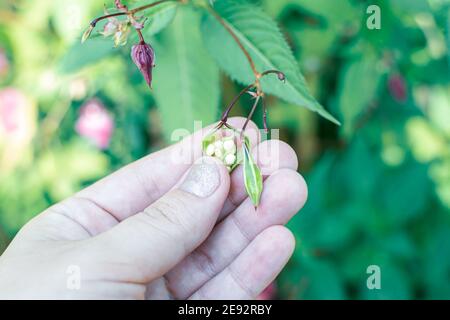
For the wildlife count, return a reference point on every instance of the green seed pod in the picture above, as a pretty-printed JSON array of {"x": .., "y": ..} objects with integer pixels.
[{"x": 252, "y": 175}]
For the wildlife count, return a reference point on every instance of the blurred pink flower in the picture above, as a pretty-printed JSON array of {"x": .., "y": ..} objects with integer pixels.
[
  {"x": 397, "y": 87},
  {"x": 14, "y": 108},
  {"x": 17, "y": 126},
  {"x": 4, "y": 63},
  {"x": 95, "y": 123},
  {"x": 268, "y": 293}
]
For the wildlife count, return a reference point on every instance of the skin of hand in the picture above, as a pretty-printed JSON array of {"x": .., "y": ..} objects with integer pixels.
[{"x": 161, "y": 228}]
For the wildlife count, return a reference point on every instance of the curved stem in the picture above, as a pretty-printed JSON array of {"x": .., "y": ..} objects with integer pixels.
[
  {"x": 147, "y": 6},
  {"x": 96, "y": 20},
  {"x": 266, "y": 128},
  {"x": 280, "y": 74},
  {"x": 130, "y": 12},
  {"x": 250, "y": 115},
  {"x": 226, "y": 113}
]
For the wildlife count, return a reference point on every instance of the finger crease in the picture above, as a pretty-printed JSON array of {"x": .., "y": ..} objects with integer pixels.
[
  {"x": 238, "y": 280},
  {"x": 204, "y": 262},
  {"x": 96, "y": 204},
  {"x": 240, "y": 228},
  {"x": 64, "y": 213}
]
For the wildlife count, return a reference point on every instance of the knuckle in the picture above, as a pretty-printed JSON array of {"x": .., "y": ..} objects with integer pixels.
[
  {"x": 204, "y": 262},
  {"x": 171, "y": 212}
]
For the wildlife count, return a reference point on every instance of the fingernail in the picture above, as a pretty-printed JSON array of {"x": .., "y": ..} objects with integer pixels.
[{"x": 202, "y": 180}]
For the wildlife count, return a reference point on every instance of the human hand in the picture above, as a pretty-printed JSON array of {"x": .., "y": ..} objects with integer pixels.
[{"x": 161, "y": 229}]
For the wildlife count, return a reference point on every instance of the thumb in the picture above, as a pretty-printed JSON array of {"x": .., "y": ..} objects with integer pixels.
[{"x": 156, "y": 239}]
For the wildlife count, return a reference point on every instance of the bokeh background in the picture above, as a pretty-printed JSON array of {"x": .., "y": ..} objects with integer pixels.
[{"x": 379, "y": 185}]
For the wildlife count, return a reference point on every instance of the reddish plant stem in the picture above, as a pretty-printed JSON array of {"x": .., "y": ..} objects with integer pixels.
[
  {"x": 141, "y": 37},
  {"x": 266, "y": 128},
  {"x": 259, "y": 92},
  {"x": 147, "y": 6},
  {"x": 129, "y": 12},
  {"x": 233, "y": 103},
  {"x": 250, "y": 115},
  {"x": 96, "y": 20},
  {"x": 280, "y": 74}
]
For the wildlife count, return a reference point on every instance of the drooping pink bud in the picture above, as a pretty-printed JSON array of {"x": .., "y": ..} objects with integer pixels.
[
  {"x": 144, "y": 58},
  {"x": 95, "y": 123},
  {"x": 397, "y": 87}
]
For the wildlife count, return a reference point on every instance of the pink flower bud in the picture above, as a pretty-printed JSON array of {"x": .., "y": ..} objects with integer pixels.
[
  {"x": 144, "y": 58},
  {"x": 95, "y": 123},
  {"x": 397, "y": 87}
]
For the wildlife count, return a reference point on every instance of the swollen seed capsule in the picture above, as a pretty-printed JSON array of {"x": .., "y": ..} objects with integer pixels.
[
  {"x": 229, "y": 146},
  {"x": 222, "y": 145},
  {"x": 210, "y": 150},
  {"x": 219, "y": 153},
  {"x": 230, "y": 159},
  {"x": 218, "y": 144}
]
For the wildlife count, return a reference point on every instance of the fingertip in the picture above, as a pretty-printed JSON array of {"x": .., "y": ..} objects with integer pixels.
[
  {"x": 272, "y": 155},
  {"x": 293, "y": 197},
  {"x": 283, "y": 239},
  {"x": 289, "y": 155},
  {"x": 300, "y": 188}
]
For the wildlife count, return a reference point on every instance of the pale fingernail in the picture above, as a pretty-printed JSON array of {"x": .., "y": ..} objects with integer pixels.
[{"x": 203, "y": 179}]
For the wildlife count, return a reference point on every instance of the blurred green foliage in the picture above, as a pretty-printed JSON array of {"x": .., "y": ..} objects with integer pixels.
[{"x": 379, "y": 185}]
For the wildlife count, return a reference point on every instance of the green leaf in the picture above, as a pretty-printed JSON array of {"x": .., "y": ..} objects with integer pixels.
[
  {"x": 160, "y": 17},
  {"x": 360, "y": 80},
  {"x": 252, "y": 175},
  {"x": 396, "y": 188},
  {"x": 186, "y": 79},
  {"x": 448, "y": 34},
  {"x": 263, "y": 40},
  {"x": 83, "y": 54}
]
